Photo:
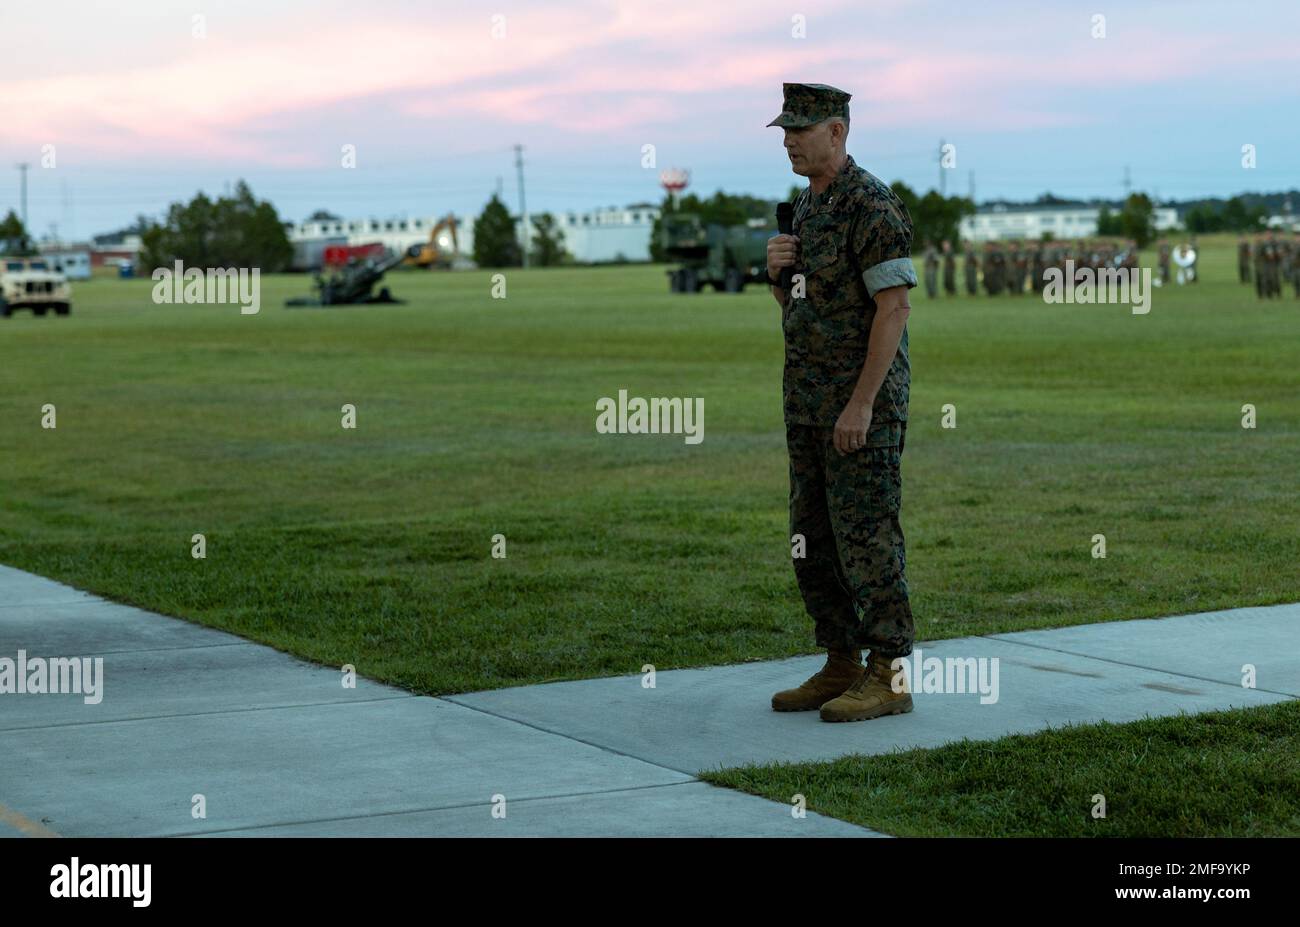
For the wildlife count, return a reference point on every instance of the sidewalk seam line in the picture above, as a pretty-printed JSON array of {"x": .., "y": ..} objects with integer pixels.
[
  {"x": 1140, "y": 666},
  {"x": 437, "y": 808},
  {"x": 538, "y": 727},
  {"x": 241, "y": 643},
  {"x": 202, "y": 714}
]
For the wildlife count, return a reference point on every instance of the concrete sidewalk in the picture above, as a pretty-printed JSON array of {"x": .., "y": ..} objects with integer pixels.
[{"x": 278, "y": 746}]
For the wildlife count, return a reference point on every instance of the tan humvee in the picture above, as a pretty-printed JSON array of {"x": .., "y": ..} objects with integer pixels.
[{"x": 30, "y": 283}]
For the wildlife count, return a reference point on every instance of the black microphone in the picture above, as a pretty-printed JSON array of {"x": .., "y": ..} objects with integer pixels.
[{"x": 785, "y": 225}]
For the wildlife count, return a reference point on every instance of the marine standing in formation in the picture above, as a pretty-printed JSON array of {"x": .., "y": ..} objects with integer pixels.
[
  {"x": 846, "y": 385},
  {"x": 972, "y": 270},
  {"x": 1268, "y": 259},
  {"x": 1016, "y": 271},
  {"x": 949, "y": 269},
  {"x": 995, "y": 263},
  {"x": 1038, "y": 269},
  {"x": 1243, "y": 260},
  {"x": 1295, "y": 262},
  {"x": 931, "y": 271}
]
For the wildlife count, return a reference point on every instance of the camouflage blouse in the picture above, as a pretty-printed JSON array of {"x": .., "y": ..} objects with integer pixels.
[{"x": 855, "y": 240}]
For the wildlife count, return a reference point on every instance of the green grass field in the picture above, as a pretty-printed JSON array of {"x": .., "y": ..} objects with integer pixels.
[
  {"x": 1217, "y": 774},
  {"x": 476, "y": 416}
]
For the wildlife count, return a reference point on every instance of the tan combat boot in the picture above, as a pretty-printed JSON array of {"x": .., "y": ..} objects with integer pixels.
[
  {"x": 871, "y": 695},
  {"x": 841, "y": 669}
]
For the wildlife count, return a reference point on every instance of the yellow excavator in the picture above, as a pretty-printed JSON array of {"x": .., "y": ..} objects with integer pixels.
[{"x": 442, "y": 247}]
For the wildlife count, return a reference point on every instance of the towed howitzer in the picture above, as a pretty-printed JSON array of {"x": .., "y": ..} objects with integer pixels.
[{"x": 353, "y": 284}]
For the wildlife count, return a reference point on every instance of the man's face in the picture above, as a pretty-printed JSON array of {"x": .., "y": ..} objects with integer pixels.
[{"x": 811, "y": 148}]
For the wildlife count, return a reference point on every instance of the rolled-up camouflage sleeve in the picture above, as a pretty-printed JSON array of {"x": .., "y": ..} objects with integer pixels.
[{"x": 883, "y": 242}]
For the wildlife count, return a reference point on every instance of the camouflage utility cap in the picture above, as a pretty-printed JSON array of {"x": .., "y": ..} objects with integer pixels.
[{"x": 809, "y": 104}]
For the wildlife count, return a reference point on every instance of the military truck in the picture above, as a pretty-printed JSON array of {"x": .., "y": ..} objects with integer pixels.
[
  {"x": 727, "y": 257},
  {"x": 30, "y": 283}
]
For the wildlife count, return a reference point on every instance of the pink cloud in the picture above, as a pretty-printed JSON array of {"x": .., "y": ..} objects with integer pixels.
[{"x": 588, "y": 67}]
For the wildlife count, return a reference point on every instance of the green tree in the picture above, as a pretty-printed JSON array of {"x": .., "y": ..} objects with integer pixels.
[
  {"x": 1108, "y": 223},
  {"x": 1137, "y": 219},
  {"x": 1201, "y": 219},
  {"x": 236, "y": 231},
  {"x": 1238, "y": 217},
  {"x": 548, "y": 243},
  {"x": 496, "y": 243},
  {"x": 13, "y": 236},
  {"x": 935, "y": 217}
]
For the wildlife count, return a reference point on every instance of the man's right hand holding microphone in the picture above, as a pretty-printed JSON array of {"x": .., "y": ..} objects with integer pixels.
[{"x": 782, "y": 252}]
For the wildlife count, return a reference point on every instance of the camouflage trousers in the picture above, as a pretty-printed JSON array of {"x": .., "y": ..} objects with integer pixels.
[{"x": 846, "y": 508}]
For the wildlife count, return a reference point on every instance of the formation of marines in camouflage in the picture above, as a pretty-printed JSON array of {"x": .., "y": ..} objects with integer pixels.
[
  {"x": 1271, "y": 263},
  {"x": 1276, "y": 263},
  {"x": 1018, "y": 267}
]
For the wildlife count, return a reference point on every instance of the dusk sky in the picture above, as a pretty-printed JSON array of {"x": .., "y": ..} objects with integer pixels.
[{"x": 142, "y": 111}]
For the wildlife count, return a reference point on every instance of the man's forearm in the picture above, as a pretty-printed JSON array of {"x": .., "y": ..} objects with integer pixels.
[{"x": 886, "y": 333}]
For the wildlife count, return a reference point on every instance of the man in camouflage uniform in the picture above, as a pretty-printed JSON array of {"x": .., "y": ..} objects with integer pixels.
[
  {"x": 1260, "y": 271},
  {"x": 1283, "y": 265},
  {"x": 1012, "y": 278},
  {"x": 949, "y": 269},
  {"x": 1291, "y": 263},
  {"x": 1130, "y": 259},
  {"x": 931, "y": 271},
  {"x": 1162, "y": 262},
  {"x": 1268, "y": 282},
  {"x": 972, "y": 270},
  {"x": 846, "y": 385},
  {"x": 994, "y": 265},
  {"x": 1243, "y": 259},
  {"x": 1295, "y": 262}
]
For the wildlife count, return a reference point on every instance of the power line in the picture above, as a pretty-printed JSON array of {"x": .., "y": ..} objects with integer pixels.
[
  {"x": 943, "y": 177},
  {"x": 22, "y": 168},
  {"x": 523, "y": 209}
]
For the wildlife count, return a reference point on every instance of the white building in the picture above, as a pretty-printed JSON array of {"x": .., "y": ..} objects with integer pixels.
[
  {"x": 397, "y": 234},
  {"x": 999, "y": 221},
  {"x": 72, "y": 261},
  {"x": 609, "y": 234}
]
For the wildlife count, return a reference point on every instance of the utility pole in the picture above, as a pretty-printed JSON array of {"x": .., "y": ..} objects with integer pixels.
[
  {"x": 523, "y": 209},
  {"x": 22, "y": 168},
  {"x": 67, "y": 208},
  {"x": 972, "y": 186},
  {"x": 1128, "y": 184}
]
